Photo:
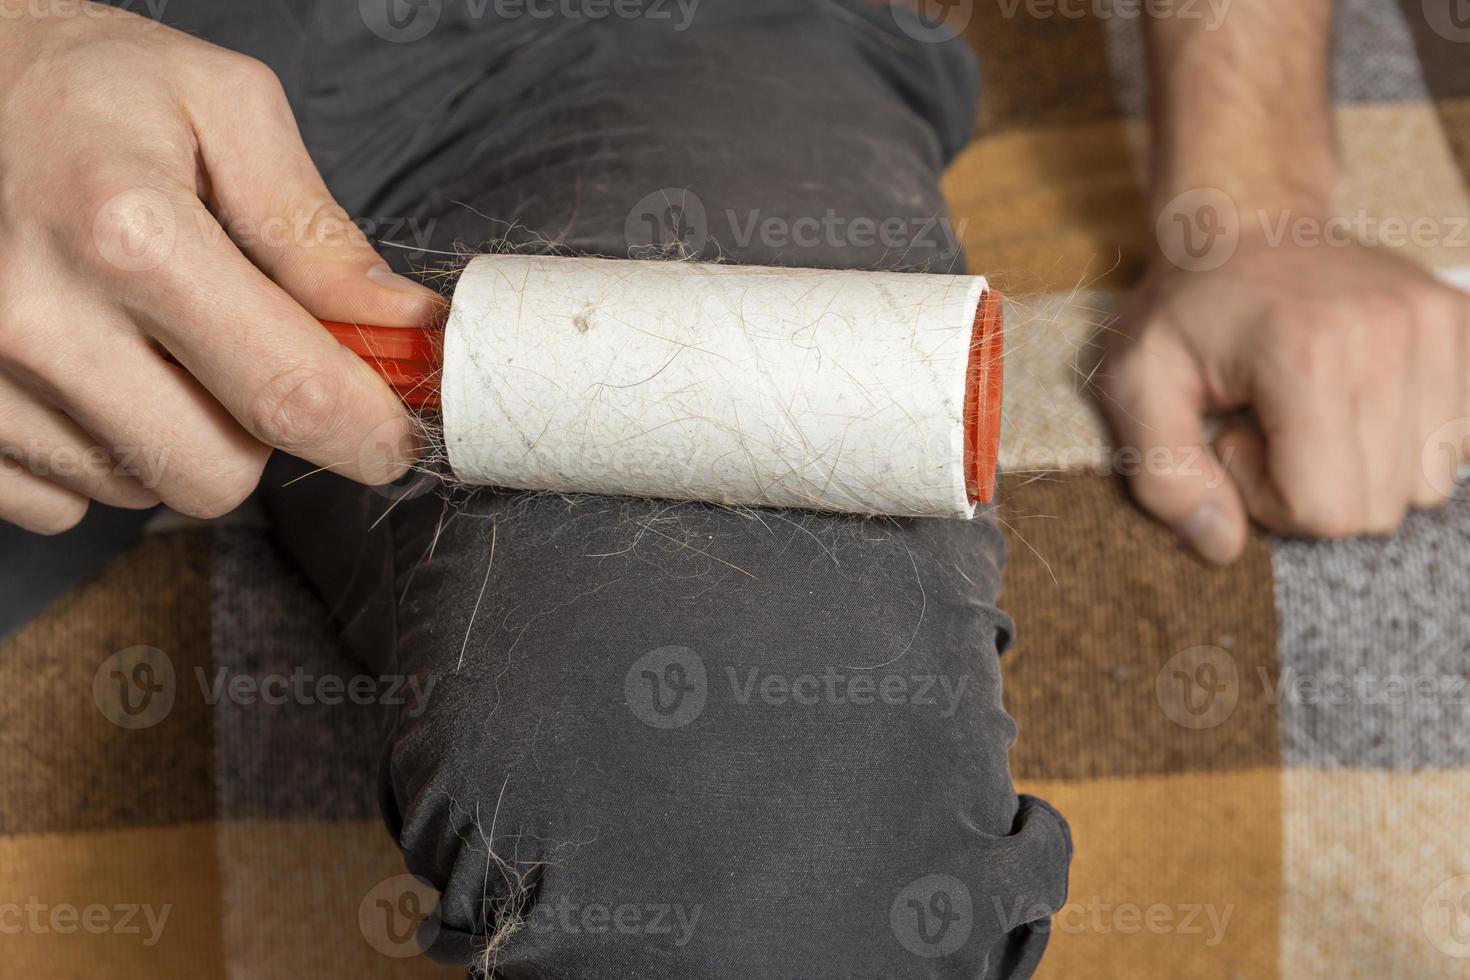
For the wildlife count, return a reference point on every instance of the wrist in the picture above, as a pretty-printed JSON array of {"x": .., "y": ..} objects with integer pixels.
[
  {"x": 1243, "y": 110},
  {"x": 1204, "y": 220},
  {"x": 1302, "y": 181}
]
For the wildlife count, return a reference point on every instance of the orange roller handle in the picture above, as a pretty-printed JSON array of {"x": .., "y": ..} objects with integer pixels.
[
  {"x": 408, "y": 359},
  {"x": 405, "y": 357},
  {"x": 983, "y": 398}
]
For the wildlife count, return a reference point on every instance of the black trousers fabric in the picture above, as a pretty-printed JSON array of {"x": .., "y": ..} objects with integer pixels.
[{"x": 670, "y": 739}]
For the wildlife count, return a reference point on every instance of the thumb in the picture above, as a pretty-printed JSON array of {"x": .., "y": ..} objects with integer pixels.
[
  {"x": 270, "y": 199},
  {"x": 1154, "y": 399}
]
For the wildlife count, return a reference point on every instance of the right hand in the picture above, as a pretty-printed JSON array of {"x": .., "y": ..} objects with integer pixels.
[{"x": 166, "y": 249}]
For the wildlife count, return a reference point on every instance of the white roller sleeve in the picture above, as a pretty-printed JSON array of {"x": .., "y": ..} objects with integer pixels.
[{"x": 801, "y": 388}]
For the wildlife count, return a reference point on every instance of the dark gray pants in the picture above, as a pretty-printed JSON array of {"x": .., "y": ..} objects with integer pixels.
[{"x": 698, "y": 742}]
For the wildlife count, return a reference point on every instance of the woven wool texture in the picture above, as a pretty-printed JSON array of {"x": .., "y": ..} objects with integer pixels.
[{"x": 1292, "y": 835}]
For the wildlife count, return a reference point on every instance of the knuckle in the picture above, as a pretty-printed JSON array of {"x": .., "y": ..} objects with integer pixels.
[
  {"x": 255, "y": 79},
  {"x": 102, "y": 195},
  {"x": 1390, "y": 312},
  {"x": 328, "y": 223},
  {"x": 132, "y": 225},
  {"x": 296, "y": 409},
  {"x": 1308, "y": 349}
]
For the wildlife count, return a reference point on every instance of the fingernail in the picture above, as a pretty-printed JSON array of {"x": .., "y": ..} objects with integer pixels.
[
  {"x": 384, "y": 276},
  {"x": 1209, "y": 533}
]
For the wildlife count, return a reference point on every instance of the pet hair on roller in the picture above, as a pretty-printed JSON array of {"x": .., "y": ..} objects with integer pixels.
[{"x": 861, "y": 392}]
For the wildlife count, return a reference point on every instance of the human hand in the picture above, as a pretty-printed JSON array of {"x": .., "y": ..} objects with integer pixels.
[
  {"x": 1351, "y": 360},
  {"x": 166, "y": 248}
]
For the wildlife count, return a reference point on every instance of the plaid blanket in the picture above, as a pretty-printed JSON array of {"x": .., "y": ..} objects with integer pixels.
[{"x": 1265, "y": 767}]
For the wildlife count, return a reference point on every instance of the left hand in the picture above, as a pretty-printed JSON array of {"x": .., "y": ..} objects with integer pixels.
[{"x": 1351, "y": 360}]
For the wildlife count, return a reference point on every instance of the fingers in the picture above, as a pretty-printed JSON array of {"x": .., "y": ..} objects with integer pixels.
[
  {"x": 268, "y": 362},
  {"x": 122, "y": 394},
  {"x": 46, "y": 442},
  {"x": 36, "y": 504},
  {"x": 1354, "y": 416},
  {"x": 1155, "y": 400},
  {"x": 1444, "y": 410},
  {"x": 1307, "y": 472},
  {"x": 114, "y": 268},
  {"x": 268, "y": 195}
]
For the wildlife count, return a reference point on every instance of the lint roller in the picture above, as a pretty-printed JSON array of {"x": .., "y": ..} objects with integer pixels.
[{"x": 860, "y": 392}]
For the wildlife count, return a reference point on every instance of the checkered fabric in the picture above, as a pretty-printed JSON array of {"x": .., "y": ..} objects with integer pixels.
[{"x": 1266, "y": 767}]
